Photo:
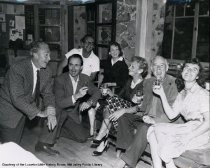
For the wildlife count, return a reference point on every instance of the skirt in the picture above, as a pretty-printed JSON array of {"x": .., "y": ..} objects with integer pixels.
[{"x": 115, "y": 103}]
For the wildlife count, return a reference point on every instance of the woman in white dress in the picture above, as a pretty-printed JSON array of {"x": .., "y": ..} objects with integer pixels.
[{"x": 169, "y": 140}]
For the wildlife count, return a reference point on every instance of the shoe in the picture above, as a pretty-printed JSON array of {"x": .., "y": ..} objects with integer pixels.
[
  {"x": 91, "y": 137},
  {"x": 97, "y": 153},
  {"x": 46, "y": 149},
  {"x": 96, "y": 143},
  {"x": 99, "y": 141}
]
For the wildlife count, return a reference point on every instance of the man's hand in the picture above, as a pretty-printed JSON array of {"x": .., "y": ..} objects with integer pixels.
[
  {"x": 52, "y": 122},
  {"x": 82, "y": 92},
  {"x": 149, "y": 120},
  {"x": 42, "y": 114},
  {"x": 117, "y": 114},
  {"x": 84, "y": 106},
  {"x": 48, "y": 111}
]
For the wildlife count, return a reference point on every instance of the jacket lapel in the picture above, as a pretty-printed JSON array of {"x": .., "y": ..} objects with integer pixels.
[{"x": 69, "y": 87}]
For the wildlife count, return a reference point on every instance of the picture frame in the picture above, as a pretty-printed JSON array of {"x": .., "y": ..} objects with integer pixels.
[
  {"x": 105, "y": 13},
  {"x": 103, "y": 53},
  {"x": 104, "y": 35}
]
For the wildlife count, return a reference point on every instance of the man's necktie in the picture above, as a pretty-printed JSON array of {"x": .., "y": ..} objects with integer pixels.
[{"x": 37, "y": 89}]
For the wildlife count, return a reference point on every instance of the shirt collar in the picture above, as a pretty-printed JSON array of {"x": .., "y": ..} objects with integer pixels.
[
  {"x": 72, "y": 79},
  {"x": 133, "y": 85},
  {"x": 193, "y": 88},
  {"x": 119, "y": 59},
  {"x": 34, "y": 67}
]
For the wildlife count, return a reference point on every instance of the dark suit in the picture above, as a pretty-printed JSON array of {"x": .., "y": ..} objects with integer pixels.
[
  {"x": 69, "y": 123},
  {"x": 18, "y": 101}
]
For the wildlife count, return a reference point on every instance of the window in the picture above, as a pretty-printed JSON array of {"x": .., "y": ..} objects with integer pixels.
[{"x": 186, "y": 30}]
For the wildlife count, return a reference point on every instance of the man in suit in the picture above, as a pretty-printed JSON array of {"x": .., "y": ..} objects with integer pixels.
[
  {"x": 20, "y": 93},
  {"x": 70, "y": 89}
]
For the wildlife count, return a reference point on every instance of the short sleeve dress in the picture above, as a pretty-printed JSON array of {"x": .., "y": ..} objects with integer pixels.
[{"x": 191, "y": 106}]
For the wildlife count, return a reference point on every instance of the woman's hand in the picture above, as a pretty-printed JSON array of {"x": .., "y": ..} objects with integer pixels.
[
  {"x": 117, "y": 114},
  {"x": 149, "y": 120}
]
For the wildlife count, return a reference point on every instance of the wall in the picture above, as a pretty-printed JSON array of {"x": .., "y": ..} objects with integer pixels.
[
  {"x": 79, "y": 24},
  {"x": 158, "y": 15},
  {"x": 126, "y": 26}
]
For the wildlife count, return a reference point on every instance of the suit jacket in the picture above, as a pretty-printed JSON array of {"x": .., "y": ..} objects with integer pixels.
[
  {"x": 64, "y": 92},
  {"x": 171, "y": 92},
  {"x": 16, "y": 98}
]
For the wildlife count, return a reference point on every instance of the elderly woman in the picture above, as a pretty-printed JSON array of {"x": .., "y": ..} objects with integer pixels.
[
  {"x": 170, "y": 140},
  {"x": 118, "y": 105}
]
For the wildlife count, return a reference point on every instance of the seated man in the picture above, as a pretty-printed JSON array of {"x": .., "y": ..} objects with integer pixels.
[
  {"x": 154, "y": 113},
  {"x": 70, "y": 89}
]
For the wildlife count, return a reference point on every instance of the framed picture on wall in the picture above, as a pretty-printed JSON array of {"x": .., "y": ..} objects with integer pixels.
[
  {"x": 104, "y": 35},
  {"x": 103, "y": 53},
  {"x": 105, "y": 13}
]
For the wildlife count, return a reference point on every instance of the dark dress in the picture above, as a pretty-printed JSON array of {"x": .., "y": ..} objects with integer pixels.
[{"x": 117, "y": 73}]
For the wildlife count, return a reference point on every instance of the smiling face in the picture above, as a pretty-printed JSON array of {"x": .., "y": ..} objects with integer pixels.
[
  {"x": 190, "y": 72},
  {"x": 159, "y": 68},
  {"x": 114, "y": 51},
  {"x": 42, "y": 56},
  {"x": 134, "y": 69},
  {"x": 75, "y": 67},
  {"x": 88, "y": 44}
]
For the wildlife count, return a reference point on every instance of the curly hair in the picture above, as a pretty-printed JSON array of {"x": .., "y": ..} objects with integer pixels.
[
  {"x": 37, "y": 45},
  {"x": 201, "y": 79},
  {"x": 142, "y": 64}
]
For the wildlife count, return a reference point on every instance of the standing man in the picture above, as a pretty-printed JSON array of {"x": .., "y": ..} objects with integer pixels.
[
  {"x": 91, "y": 62},
  {"x": 154, "y": 113},
  {"x": 20, "y": 93},
  {"x": 70, "y": 88}
]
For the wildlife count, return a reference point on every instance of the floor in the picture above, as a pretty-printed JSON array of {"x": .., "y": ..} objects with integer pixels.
[{"x": 73, "y": 154}]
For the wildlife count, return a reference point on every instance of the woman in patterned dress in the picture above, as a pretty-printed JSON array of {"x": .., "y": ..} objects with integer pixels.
[
  {"x": 117, "y": 105},
  {"x": 169, "y": 140}
]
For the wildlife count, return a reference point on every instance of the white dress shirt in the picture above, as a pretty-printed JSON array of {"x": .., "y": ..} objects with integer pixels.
[
  {"x": 74, "y": 85},
  {"x": 35, "y": 69}
]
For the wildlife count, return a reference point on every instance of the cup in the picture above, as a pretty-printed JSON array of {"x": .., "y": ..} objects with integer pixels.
[
  {"x": 157, "y": 83},
  {"x": 105, "y": 91}
]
